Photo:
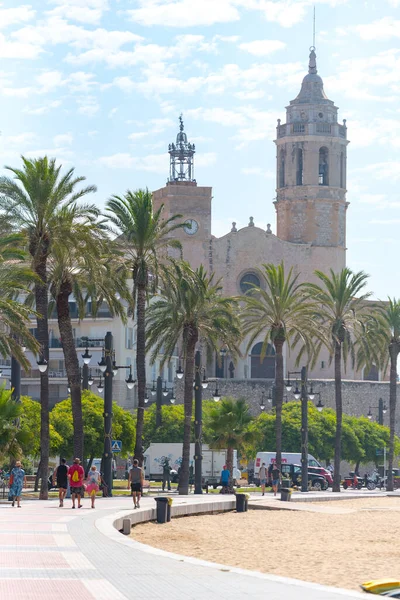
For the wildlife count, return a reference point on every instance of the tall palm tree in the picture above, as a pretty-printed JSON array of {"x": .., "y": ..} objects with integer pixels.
[
  {"x": 144, "y": 237},
  {"x": 382, "y": 347},
  {"x": 190, "y": 308},
  {"x": 34, "y": 202},
  {"x": 88, "y": 270},
  {"x": 11, "y": 436},
  {"x": 341, "y": 317},
  {"x": 280, "y": 313},
  {"x": 228, "y": 423}
]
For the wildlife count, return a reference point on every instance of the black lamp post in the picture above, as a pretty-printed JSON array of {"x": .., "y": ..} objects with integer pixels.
[
  {"x": 382, "y": 408},
  {"x": 198, "y": 425}
]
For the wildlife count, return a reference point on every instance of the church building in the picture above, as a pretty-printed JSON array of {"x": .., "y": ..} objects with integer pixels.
[{"x": 311, "y": 208}]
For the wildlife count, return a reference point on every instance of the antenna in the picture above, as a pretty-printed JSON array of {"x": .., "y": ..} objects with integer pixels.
[{"x": 313, "y": 40}]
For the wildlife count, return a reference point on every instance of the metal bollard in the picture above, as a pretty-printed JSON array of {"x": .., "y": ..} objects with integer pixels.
[{"x": 126, "y": 526}]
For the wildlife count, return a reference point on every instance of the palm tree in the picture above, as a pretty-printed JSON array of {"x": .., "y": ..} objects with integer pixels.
[
  {"x": 228, "y": 423},
  {"x": 191, "y": 309},
  {"x": 35, "y": 202},
  {"x": 89, "y": 271},
  {"x": 281, "y": 314},
  {"x": 144, "y": 237},
  {"x": 11, "y": 436},
  {"x": 382, "y": 347},
  {"x": 340, "y": 319}
]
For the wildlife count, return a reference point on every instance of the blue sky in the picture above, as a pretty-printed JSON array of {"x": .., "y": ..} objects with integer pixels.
[{"x": 100, "y": 84}]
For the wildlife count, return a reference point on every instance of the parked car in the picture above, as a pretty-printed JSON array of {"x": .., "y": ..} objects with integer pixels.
[
  {"x": 324, "y": 472},
  {"x": 294, "y": 473}
]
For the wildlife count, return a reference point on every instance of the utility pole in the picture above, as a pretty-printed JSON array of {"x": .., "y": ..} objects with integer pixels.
[
  {"x": 108, "y": 377},
  {"x": 198, "y": 425},
  {"x": 304, "y": 431}
]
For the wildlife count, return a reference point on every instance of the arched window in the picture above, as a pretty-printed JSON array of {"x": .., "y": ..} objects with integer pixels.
[
  {"x": 282, "y": 169},
  {"x": 248, "y": 281},
  {"x": 264, "y": 369},
  {"x": 372, "y": 374},
  {"x": 323, "y": 174},
  {"x": 299, "y": 172},
  {"x": 342, "y": 183}
]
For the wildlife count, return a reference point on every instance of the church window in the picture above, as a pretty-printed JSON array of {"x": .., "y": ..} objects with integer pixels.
[
  {"x": 299, "y": 173},
  {"x": 342, "y": 184},
  {"x": 265, "y": 368},
  {"x": 282, "y": 169},
  {"x": 372, "y": 374},
  {"x": 323, "y": 167},
  {"x": 248, "y": 281}
]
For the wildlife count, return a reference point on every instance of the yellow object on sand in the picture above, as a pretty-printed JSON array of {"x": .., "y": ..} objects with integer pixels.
[{"x": 378, "y": 586}]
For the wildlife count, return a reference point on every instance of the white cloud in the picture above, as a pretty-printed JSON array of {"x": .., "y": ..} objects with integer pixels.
[
  {"x": 262, "y": 171},
  {"x": 184, "y": 13},
  {"x": 83, "y": 11},
  {"x": 43, "y": 109},
  {"x": 124, "y": 83},
  {"x": 49, "y": 81},
  {"x": 63, "y": 139},
  {"x": 19, "y": 49},
  {"x": 389, "y": 171},
  {"x": 112, "y": 112},
  {"x": 383, "y": 29},
  {"x": 19, "y": 141},
  {"x": 262, "y": 47},
  {"x": 156, "y": 163},
  {"x": 253, "y": 95},
  {"x": 10, "y": 16},
  {"x": 88, "y": 106}
]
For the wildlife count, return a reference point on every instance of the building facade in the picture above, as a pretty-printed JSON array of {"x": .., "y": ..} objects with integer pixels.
[{"x": 310, "y": 208}]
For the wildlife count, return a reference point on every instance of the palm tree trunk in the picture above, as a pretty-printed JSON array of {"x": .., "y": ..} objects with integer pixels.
[
  {"x": 140, "y": 368},
  {"x": 188, "y": 404},
  {"x": 42, "y": 304},
  {"x": 72, "y": 366},
  {"x": 392, "y": 411},
  {"x": 279, "y": 383},
  {"x": 339, "y": 415}
]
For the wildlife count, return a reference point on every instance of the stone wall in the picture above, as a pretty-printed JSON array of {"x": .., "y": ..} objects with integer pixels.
[{"x": 358, "y": 396}]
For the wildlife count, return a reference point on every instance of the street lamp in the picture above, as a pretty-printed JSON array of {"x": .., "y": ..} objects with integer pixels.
[
  {"x": 130, "y": 382},
  {"x": 100, "y": 387},
  {"x": 86, "y": 357},
  {"x": 90, "y": 379},
  {"x": 382, "y": 409},
  {"x": 204, "y": 383},
  {"x": 102, "y": 364},
  {"x": 165, "y": 391},
  {"x": 216, "y": 394},
  {"x": 179, "y": 371},
  {"x": 42, "y": 365},
  {"x": 173, "y": 398}
]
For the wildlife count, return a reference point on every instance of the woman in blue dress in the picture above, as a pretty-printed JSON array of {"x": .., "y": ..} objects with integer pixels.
[{"x": 18, "y": 480}]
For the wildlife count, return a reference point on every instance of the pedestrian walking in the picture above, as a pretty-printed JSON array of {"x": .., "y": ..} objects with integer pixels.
[
  {"x": 166, "y": 475},
  {"x": 276, "y": 478},
  {"x": 225, "y": 475},
  {"x": 60, "y": 478},
  {"x": 17, "y": 481},
  {"x": 93, "y": 481},
  {"x": 262, "y": 474},
  {"x": 76, "y": 475},
  {"x": 136, "y": 482}
]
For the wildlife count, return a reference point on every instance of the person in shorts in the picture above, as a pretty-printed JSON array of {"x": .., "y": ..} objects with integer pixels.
[
  {"x": 136, "y": 482},
  {"x": 276, "y": 478},
  {"x": 262, "y": 474},
  {"x": 60, "y": 478},
  {"x": 93, "y": 480},
  {"x": 76, "y": 475}
]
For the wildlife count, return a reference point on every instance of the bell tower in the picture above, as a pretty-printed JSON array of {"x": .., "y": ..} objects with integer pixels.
[
  {"x": 183, "y": 196},
  {"x": 311, "y": 168}
]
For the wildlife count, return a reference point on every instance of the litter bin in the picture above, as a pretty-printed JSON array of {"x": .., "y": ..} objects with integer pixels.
[
  {"x": 241, "y": 503},
  {"x": 168, "y": 512},
  {"x": 162, "y": 508},
  {"x": 286, "y": 494}
]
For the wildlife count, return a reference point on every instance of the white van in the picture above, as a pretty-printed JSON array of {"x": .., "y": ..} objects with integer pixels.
[{"x": 291, "y": 458}]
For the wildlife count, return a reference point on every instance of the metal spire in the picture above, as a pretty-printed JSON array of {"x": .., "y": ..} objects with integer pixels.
[{"x": 181, "y": 157}]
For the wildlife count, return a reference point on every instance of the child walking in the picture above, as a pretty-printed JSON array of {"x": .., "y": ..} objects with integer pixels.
[{"x": 93, "y": 483}]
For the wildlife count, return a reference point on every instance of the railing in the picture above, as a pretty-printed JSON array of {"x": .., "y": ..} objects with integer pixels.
[
  {"x": 342, "y": 131},
  {"x": 298, "y": 128},
  {"x": 281, "y": 130},
  {"x": 324, "y": 128}
]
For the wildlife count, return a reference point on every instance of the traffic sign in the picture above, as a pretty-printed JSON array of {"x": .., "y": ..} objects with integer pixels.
[
  {"x": 116, "y": 446},
  {"x": 379, "y": 452}
]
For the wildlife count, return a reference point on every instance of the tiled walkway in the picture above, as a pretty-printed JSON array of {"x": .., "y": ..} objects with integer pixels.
[{"x": 47, "y": 552}]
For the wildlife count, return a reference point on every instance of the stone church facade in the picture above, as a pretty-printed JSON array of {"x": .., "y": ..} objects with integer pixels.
[{"x": 311, "y": 208}]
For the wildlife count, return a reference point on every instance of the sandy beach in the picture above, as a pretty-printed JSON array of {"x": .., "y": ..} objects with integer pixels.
[{"x": 341, "y": 543}]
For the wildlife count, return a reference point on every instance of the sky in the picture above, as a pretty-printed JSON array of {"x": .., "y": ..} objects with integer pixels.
[{"x": 100, "y": 84}]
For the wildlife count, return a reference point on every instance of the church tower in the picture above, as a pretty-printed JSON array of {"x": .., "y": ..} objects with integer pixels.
[
  {"x": 183, "y": 196},
  {"x": 311, "y": 170}
]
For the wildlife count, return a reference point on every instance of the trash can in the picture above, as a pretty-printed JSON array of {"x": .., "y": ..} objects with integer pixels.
[
  {"x": 241, "y": 503},
  {"x": 162, "y": 508},
  {"x": 286, "y": 494}
]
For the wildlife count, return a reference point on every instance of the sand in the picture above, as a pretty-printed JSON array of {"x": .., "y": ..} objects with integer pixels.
[{"x": 343, "y": 543}]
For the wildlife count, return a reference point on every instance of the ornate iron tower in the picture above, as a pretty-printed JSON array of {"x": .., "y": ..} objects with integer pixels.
[{"x": 181, "y": 157}]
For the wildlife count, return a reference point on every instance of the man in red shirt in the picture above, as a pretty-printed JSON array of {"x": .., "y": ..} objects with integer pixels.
[{"x": 76, "y": 475}]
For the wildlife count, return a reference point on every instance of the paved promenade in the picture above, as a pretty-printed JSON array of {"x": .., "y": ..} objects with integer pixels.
[{"x": 47, "y": 552}]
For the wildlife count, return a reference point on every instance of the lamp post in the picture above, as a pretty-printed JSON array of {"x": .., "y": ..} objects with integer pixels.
[
  {"x": 382, "y": 408},
  {"x": 159, "y": 397},
  {"x": 304, "y": 394},
  {"x": 198, "y": 425}
]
